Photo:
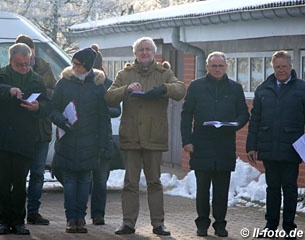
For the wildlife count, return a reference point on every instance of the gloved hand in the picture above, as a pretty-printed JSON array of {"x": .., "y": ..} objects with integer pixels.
[
  {"x": 66, "y": 126},
  {"x": 155, "y": 93}
]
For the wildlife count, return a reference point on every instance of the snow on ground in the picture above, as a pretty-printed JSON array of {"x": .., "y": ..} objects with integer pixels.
[{"x": 247, "y": 185}]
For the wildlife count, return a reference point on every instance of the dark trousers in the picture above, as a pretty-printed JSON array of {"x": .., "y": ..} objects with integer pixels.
[
  {"x": 13, "y": 172},
  {"x": 99, "y": 189},
  {"x": 281, "y": 176},
  {"x": 221, "y": 183}
]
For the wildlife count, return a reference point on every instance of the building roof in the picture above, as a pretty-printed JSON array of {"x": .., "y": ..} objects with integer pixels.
[{"x": 191, "y": 14}]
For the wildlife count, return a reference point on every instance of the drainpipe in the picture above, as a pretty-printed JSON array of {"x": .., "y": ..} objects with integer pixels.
[{"x": 200, "y": 68}]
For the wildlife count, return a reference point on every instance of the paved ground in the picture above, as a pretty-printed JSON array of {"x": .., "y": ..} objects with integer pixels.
[{"x": 179, "y": 218}]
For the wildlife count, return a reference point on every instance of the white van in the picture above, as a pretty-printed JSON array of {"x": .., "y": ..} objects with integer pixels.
[{"x": 12, "y": 25}]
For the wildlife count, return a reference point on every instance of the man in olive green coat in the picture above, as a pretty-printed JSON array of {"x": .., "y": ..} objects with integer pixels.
[{"x": 144, "y": 87}]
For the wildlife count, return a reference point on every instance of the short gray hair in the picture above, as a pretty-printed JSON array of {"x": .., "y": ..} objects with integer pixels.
[
  {"x": 216, "y": 53},
  {"x": 281, "y": 54},
  {"x": 19, "y": 48},
  {"x": 142, "y": 39}
]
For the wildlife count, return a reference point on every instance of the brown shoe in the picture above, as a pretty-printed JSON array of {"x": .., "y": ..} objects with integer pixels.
[
  {"x": 71, "y": 227},
  {"x": 81, "y": 227}
]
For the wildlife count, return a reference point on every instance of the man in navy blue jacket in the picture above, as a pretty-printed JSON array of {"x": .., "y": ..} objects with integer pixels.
[
  {"x": 277, "y": 121},
  {"x": 214, "y": 97}
]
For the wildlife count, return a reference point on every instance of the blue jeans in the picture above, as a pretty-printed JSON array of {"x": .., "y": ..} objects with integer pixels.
[
  {"x": 99, "y": 190},
  {"x": 76, "y": 193},
  {"x": 37, "y": 168}
]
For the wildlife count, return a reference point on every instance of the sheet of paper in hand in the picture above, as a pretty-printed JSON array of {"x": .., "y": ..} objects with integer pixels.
[
  {"x": 219, "y": 124},
  {"x": 137, "y": 93},
  {"x": 32, "y": 97},
  {"x": 299, "y": 146},
  {"x": 69, "y": 113}
]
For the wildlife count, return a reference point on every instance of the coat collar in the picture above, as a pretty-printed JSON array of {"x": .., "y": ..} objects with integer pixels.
[{"x": 95, "y": 75}]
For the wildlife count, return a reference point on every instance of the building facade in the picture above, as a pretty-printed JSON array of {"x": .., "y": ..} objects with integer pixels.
[{"x": 247, "y": 31}]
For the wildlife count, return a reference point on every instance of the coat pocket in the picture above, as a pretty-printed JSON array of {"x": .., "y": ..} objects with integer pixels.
[
  {"x": 291, "y": 134},
  {"x": 264, "y": 134}
]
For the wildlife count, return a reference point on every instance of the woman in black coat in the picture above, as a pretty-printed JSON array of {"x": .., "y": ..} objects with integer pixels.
[{"x": 78, "y": 150}]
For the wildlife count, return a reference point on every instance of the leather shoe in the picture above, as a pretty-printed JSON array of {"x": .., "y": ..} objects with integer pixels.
[
  {"x": 4, "y": 229},
  {"x": 81, "y": 228},
  {"x": 202, "y": 232},
  {"x": 124, "y": 229},
  {"x": 98, "y": 221},
  {"x": 71, "y": 227},
  {"x": 37, "y": 219},
  {"x": 161, "y": 230},
  {"x": 222, "y": 232},
  {"x": 20, "y": 229}
]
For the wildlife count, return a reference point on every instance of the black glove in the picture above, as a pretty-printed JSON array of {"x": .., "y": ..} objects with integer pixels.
[
  {"x": 66, "y": 126},
  {"x": 155, "y": 93}
]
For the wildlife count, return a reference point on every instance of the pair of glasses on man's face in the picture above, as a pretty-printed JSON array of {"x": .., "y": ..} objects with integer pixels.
[
  {"x": 214, "y": 66},
  {"x": 22, "y": 65}
]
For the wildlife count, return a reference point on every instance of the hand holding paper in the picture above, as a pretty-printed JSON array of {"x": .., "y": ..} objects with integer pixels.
[
  {"x": 70, "y": 114},
  {"x": 219, "y": 124},
  {"x": 299, "y": 146},
  {"x": 32, "y": 97}
]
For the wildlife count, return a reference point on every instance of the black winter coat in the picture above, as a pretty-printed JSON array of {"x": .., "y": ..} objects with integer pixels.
[
  {"x": 277, "y": 120},
  {"x": 18, "y": 126},
  {"x": 208, "y": 99},
  {"x": 78, "y": 149}
]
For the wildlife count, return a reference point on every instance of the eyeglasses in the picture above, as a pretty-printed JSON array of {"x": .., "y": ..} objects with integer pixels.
[
  {"x": 21, "y": 65},
  {"x": 214, "y": 66},
  {"x": 144, "y": 50},
  {"x": 281, "y": 67},
  {"x": 77, "y": 64}
]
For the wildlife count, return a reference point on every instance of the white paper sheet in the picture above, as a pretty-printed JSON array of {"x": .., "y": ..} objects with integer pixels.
[
  {"x": 219, "y": 124},
  {"x": 69, "y": 113},
  {"x": 299, "y": 146}
]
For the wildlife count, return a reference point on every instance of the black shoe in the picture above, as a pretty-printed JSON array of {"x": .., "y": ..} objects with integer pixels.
[
  {"x": 202, "y": 232},
  {"x": 20, "y": 229},
  {"x": 37, "y": 219},
  {"x": 161, "y": 230},
  {"x": 124, "y": 229},
  {"x": 71, "y": 227},
  {"x": 4, "y": 229},
  {"x": 81, "y": 228},
  {"x": 222, "y": 232},
  {"x": 98, "y": 221}
]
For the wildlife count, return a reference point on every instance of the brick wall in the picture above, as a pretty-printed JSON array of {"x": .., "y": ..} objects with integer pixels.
[{"x": 241, "y": 136}]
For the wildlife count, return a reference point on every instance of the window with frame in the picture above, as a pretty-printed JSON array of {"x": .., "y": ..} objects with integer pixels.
[
  {"x": 249, "y": 69},
  {"x": 113, "y": 65},
  {"x": 302, "y": 67}
]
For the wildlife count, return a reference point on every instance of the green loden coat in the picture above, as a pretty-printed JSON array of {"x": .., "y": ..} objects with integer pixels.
[{"x": 144, "y": 123}]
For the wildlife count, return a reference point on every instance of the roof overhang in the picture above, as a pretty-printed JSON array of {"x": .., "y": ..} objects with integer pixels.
[{"x": 279, "y": 11}]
